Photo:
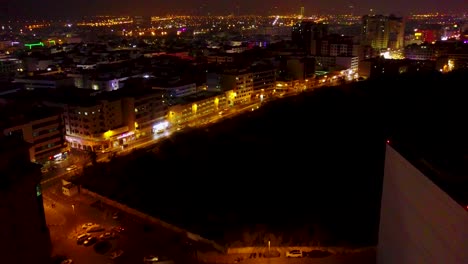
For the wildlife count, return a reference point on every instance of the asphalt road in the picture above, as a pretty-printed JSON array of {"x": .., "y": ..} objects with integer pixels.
[
  {"x": 139, "y": 239},
  {"x": 80, "y": 159}
]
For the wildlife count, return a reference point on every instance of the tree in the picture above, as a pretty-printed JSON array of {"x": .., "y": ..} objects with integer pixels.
[
  {"x": 92, "y": 157},
  {"x": 321, "y": 235},
  {"x": 249, "y": 238}
]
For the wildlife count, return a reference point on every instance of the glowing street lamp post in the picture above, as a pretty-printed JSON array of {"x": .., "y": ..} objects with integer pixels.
[{"x": 74, "y": 214}]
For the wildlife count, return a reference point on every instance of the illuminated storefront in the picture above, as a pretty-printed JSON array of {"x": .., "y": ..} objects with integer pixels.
[{"x": 108, "y": 140}]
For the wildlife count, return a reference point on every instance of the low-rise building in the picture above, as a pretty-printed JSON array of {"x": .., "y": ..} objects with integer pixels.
[
  {"x": 45, "y": 81},
  {"x": 9, "y": 67},
  {"x": 176, "y": 89},
  {"x": 149, "y": 114},
  {"x": 107, "y": 120},
  {"x": 240, "y": 82},
  {"x": 220, "y": 58},
  {"x": 197, "y": 108},
  {"x": 331, "y": 63},
  {"x": 264, "y": 77},
  {"x": 97, "y": 124},
  {"x": 40, "y": 126}
]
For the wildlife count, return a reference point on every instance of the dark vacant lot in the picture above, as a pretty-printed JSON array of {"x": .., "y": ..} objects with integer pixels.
[{"x": 307, "y": 169}]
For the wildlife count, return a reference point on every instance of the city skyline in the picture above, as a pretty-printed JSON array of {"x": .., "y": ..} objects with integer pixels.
[
  {"x": 217, "y": 132},
  {"x": 67, "y": 8}
]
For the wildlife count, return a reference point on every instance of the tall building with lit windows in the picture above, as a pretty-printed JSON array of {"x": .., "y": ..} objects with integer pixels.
[
  {"x": 382, "y": 32},
  {"x": 24, "y": 235},
  {"x": 306, "y": 34}
]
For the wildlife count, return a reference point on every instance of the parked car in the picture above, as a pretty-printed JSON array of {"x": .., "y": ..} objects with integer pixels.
[
  {"x": 95, "y": 228},
  {"x": 115, "y": 216},
  {"x": 108, "y": 236},
  {"x": 85, "y": 226},
  {"x": 296, "y": 253},
  {"x": 118, "y": 229},
  {"x": 151, "y": 259},
  {"x": 90, "y": 241},
  {"x": 81, "y": 238},
  {"x": 72, "y": 167},
  {"x": 116, "y": 254}
]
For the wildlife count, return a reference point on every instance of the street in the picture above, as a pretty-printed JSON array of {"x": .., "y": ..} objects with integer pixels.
[
  {"x": 57, "y": 170},
  {"x": 66, "y": 215}
]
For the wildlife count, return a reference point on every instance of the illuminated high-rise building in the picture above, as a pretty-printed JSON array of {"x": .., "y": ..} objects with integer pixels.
[
  {"x": 382, "y": 32},
  {"x": 302, "y": 12},
  {"x": 306, "y": 34}
]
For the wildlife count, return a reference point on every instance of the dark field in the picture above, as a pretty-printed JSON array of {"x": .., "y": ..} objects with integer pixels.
[{"x": 308, "y": 168}]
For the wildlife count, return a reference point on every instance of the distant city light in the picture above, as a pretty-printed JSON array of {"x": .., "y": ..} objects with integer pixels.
[{"x": 30, "y": 45}]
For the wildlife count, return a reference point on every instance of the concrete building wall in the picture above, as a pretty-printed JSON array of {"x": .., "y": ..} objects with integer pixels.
[
  {"x": 24, "y": 236},
  {"x": 419, "y": 223}
]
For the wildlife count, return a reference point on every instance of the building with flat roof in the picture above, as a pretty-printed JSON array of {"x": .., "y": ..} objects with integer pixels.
[
  {"x": 198, "y": 107},
  {"x": 45, "y": 81},
  {"x": 383, "y": 32},
  {"x": 40, "y": 126}
]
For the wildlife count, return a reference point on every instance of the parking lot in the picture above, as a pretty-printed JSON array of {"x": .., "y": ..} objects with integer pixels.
[
  {"x": 135, "y": 240},
  {"x": 138, "y": 239}
]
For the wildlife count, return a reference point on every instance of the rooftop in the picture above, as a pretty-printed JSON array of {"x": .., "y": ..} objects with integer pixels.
[
  {"x": 51, "y": 77},
  {"x": 14, "y": 163},
  {"x": 192, "y": 98},
  {"x": 10, "y": 116}
]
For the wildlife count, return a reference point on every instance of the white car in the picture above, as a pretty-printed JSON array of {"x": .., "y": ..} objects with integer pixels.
[
  {"x": 72, "y": 167},
  {"x": 150, "y": 259},
  {"x": 296, "y": 253},
  {"x": 95, "y": 228},
  {"x": 87, "y": 225},
  {"x": 156, "y": 260},
  {"x": 107, "y": 236},
  {"x": 116, "y": 254}
]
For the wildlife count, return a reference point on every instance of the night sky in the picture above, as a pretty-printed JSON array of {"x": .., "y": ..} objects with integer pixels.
[{"x": 78, "y": 8}]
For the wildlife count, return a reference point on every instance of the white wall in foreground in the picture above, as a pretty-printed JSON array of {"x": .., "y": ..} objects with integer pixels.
[{"x": 419, "y": 223}]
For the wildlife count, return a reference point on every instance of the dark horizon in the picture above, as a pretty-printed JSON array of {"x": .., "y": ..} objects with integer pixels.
[{"x": 48, "y": 9}]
